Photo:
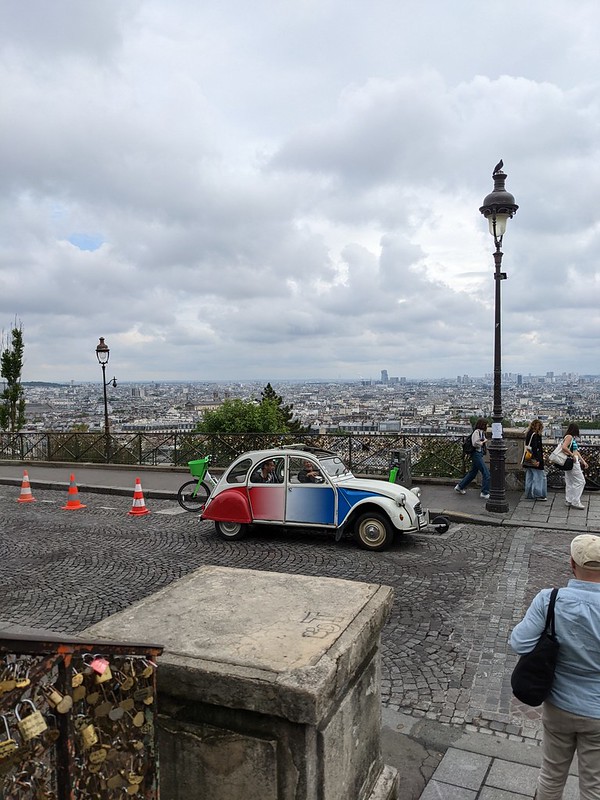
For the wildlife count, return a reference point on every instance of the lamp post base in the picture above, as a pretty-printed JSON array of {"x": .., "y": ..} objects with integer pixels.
[{"x": 497, "y": 502}]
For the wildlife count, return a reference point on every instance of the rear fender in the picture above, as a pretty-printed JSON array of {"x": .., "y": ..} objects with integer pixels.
[{"x": 229, "y": 506}]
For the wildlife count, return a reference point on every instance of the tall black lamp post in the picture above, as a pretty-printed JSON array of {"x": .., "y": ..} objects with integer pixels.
[
  {"x": 103, "y": 354},
  {"x": 498, "y": 207}
]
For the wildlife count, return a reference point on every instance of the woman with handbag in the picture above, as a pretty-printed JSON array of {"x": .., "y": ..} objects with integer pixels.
[
  {"x": 535, "y": 475},
  {"x": 574, "y": 478}
]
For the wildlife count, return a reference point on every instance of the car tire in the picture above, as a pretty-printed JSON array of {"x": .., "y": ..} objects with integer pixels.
[
  {"x": 186, "y": 499},
  {"x": 231, "y": 530},
  {"x": 373, "y": 531}
]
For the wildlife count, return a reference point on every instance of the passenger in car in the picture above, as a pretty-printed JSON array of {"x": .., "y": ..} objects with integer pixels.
[
  {"x": 309, "y": 473},
  {"x": 265, "y": 473}
]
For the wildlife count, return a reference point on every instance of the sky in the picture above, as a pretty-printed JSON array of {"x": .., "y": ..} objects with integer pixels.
[{"x": 290, "y": 189}]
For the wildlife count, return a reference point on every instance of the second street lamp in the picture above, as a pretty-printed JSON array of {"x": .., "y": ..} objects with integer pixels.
[
  {"x": 103, "y": 354},
  {"x": 498, "y": 207}
]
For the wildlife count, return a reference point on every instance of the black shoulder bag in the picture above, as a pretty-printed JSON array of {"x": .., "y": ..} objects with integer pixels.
[{"x": 533, "y": 676}]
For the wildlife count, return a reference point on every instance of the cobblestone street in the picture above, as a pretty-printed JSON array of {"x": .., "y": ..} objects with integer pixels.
[{"x": 445, "y": 655}]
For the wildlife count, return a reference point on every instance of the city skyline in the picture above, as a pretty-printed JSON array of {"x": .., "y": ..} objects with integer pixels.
[{"x": 230, "y": 190}]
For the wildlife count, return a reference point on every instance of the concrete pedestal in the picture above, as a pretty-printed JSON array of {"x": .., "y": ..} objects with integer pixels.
[{"x": 269, "y": 685}]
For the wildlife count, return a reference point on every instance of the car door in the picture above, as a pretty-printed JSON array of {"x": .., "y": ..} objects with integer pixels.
[
  {"x": 267, "y": 496},
  {"x": 310, "y": 497}
]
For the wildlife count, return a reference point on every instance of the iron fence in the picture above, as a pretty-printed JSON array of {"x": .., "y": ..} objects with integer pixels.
[{"x": 430, "y": 456}]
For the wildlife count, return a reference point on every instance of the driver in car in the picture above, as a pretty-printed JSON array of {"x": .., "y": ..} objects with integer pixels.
[
  {"x": 265, "y": 473},
  {"x": 309, "y": 473}
]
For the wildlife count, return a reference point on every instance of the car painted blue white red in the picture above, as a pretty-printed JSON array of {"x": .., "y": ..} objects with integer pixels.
[{"x": 297, "y": 487}]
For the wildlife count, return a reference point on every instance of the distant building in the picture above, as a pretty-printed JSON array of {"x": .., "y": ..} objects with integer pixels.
[{"x": 384, "y": 376}]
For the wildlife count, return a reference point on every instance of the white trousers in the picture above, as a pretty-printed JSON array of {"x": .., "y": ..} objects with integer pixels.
[{"x": 574, "y": 484}]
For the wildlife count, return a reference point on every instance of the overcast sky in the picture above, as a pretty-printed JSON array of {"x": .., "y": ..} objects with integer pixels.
[{"x": 291, "y": 188}]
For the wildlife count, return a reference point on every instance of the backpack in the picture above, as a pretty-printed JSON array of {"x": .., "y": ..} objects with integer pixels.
[{"x": 467, "y": 446}]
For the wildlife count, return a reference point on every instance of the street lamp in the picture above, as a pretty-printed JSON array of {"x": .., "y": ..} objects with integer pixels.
[
  {"x": 498, "y": 207},
  {"x": 103, "y": 354}
]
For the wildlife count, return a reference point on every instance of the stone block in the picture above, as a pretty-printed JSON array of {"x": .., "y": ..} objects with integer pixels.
[{"x": 268, "y": 687}]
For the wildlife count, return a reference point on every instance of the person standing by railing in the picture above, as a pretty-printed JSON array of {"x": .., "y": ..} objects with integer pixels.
[
  {"x": 535, "y": 476},
  {"x": 574, "y": 479}
]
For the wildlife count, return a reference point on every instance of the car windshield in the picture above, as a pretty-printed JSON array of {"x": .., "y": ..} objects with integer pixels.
[{"x": 334, "y": 467}]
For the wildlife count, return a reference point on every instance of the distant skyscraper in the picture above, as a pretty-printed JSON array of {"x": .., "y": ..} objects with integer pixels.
[
  {"x": 519, "y": 380},
  {"x": 384, "y": 376}
]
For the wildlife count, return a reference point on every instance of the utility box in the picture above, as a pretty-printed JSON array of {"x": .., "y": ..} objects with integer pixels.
[{"x": 400, "y": 467}]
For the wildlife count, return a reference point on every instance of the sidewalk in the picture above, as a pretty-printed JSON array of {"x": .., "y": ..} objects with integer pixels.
[
  {"x": 477, "y": 764},
  {"x": 162, "y": 483}
]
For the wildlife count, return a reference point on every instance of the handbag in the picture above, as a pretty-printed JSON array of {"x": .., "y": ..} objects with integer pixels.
[
  {"x": 527, "y": 459},
  {"x": 568, "y": 465},
  {"x": 533, "y": 676},
  {"x": 558, "y": 456}
]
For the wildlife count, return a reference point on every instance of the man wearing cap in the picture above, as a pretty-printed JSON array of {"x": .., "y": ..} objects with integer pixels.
[{"x": 571, "y": 714}]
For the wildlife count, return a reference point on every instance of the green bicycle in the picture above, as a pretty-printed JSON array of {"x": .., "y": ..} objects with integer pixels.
[{"x": 192, "y": 495}]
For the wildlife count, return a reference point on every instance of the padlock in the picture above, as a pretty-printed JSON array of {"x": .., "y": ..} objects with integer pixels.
[
  {"x": 8, "y": 745},
  {"x": 22, "y": 678},
  {"x": 52, "y": 735},
  {"x": 62, "y": 703},
  {"x": 7, "y": 679},
  {"x": 32, "y": 725},
  {"x": 99, "y": 664},
  {"x": 89, "y": 736},
  {"x": 77, "y": 678}
]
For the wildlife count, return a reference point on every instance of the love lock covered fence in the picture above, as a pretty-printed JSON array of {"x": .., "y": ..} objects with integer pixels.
[{"x": 77, "y": 720}]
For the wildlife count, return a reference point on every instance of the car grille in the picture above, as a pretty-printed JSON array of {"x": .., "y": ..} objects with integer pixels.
[{"x": 418, "y": 509}]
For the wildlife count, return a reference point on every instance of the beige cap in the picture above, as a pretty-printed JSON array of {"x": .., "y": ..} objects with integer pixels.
[{"x": 585, "y": 551}]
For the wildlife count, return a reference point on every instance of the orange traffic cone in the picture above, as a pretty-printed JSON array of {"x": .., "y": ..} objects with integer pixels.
[
  {"x": 25, "y": 496},
  {"x": 73, "y": 497},
  {"x": 139, "y": 506}
]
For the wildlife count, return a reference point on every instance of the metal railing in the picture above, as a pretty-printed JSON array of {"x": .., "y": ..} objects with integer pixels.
[{"x": 431, "y": 456}]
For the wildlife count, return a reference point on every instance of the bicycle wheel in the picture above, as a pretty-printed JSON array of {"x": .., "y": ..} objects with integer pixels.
[{"x": 190, "y": 501}]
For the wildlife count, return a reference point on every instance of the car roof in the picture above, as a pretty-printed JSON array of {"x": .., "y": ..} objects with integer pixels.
[{"x": 289, "y": 450}]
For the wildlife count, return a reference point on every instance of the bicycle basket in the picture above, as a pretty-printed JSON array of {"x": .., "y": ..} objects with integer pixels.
[{"x": 198, "y": 467}]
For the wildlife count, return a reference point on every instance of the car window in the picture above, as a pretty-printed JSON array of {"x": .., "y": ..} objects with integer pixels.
[
  {"x": 304, "y": 470},
  {"x": 334, "y": 466},
  {"x": 237, "y": 474},
  {"x": 269, "y": 470}
]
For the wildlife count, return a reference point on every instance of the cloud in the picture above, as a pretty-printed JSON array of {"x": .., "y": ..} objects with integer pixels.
[{"x": 226, "y": 191}]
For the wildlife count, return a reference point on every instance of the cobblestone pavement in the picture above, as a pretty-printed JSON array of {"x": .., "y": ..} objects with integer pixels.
[{"x": 444, "y": 649}]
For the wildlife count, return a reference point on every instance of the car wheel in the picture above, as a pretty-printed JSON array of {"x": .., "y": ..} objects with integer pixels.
[
  {"x": 373, "y": 531},
  {"x": 231, "y": 530},
  {"x": 440, "y": 524}
]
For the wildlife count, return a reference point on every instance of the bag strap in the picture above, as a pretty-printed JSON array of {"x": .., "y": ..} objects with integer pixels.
[{"x": 550, "y": 614}]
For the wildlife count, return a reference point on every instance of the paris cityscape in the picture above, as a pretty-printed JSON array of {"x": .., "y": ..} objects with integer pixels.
[{"x": 387, "y": 404}]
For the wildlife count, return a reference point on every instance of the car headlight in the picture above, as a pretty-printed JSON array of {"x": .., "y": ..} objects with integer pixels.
[
  {"x": 401, "y": 500},
  {"x": 416, "y": 490}
]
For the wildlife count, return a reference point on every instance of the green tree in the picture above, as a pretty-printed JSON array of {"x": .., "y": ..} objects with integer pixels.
[
  {"x": 239, "y": 416},
  {"x": 12, "y": 399},
  {"x": 285, "y": 411}
]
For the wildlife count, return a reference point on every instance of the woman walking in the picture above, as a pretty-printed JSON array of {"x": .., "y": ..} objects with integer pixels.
[
  {"x": 574, "y": 479},
  {"x": 477, "y": 462},
  {"x": 535, "y": 475}
]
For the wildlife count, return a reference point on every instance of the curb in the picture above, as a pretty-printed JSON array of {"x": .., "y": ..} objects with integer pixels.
[{"x": 153, "y": 494}]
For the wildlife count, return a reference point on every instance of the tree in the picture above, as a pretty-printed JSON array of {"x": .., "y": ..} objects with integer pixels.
[
  {"x": 12, "y": 399},
  {"x": 286, "y": 413},
  {"x": 238, "y": 416}
]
